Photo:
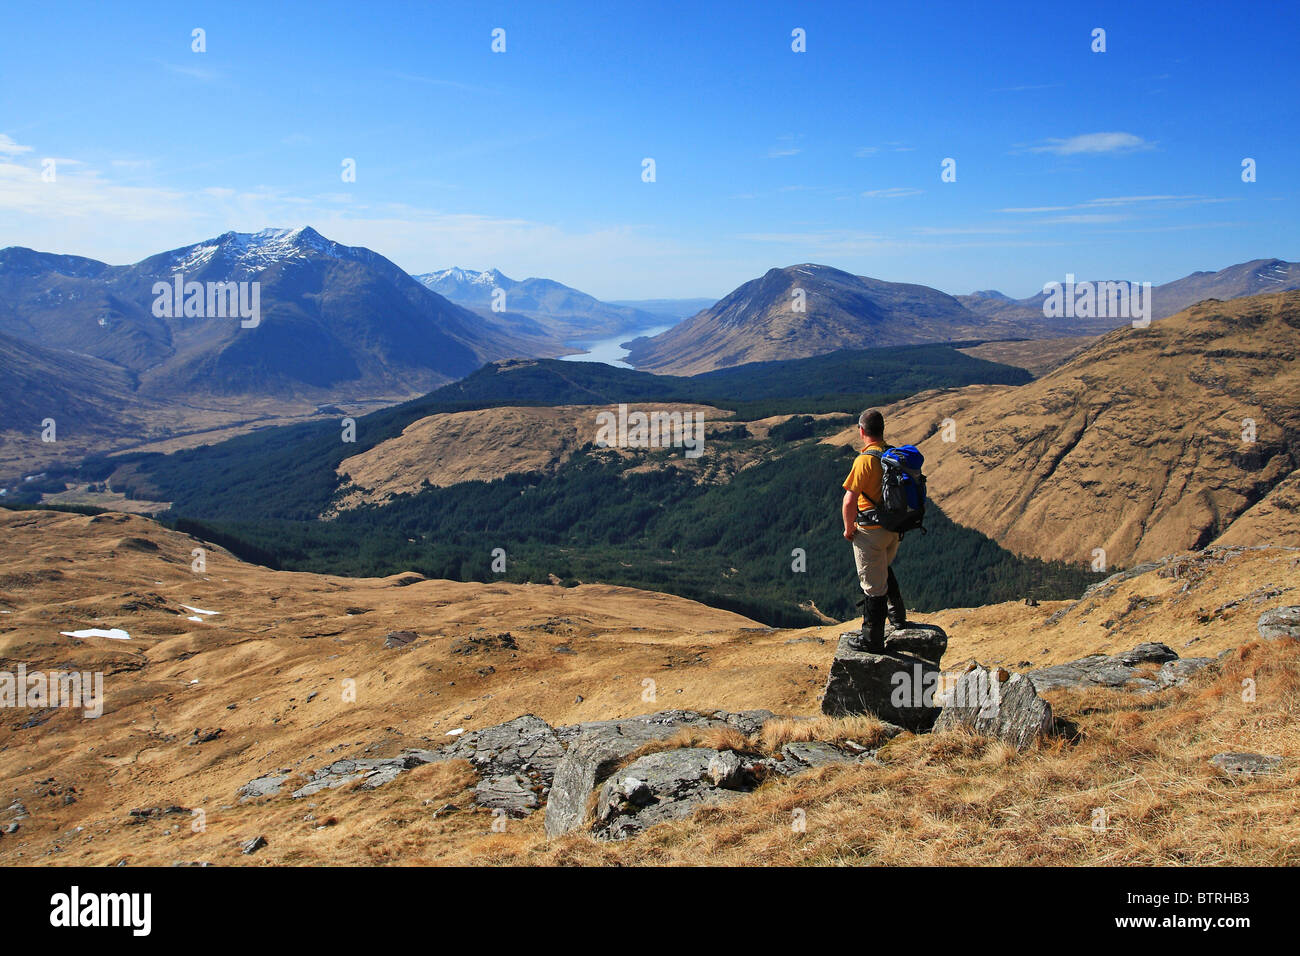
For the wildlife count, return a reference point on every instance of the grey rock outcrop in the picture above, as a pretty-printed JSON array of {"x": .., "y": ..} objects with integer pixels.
[
  {"x": 371, "y": 773},
  {"x": 513, "y": 793},
  {"x": 597, "y": 747},
  {"x": 926, "y": 641},
  {"x": 399, "y": 638},
  {"x": 527, "y": 745},
  {"x": 1243, "y": 764},
  {"x": 519, "y": 761},
  {"x": 1280, "y": 622},
  {"x": 799, "y": 756},
  {"x": 1121, "y": 671},
  {"x": 1174, "y": 673},
  {"x": 993, "y": 703},
  {"x": 668, "y": 786},
  {"x": 896, "y": 687},
  {"x": 268, "y": 786}
]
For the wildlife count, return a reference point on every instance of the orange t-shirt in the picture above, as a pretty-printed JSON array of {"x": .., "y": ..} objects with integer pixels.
[{"x": 865, "y": 478}]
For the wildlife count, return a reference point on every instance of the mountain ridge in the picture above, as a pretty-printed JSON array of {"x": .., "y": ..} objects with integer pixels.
[
  {"x": 810, "y": 309},
  {"x": 559, "y": 309}
]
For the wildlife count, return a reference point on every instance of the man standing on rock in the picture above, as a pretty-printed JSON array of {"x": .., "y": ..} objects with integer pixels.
[{"x": 873, "y": 547}]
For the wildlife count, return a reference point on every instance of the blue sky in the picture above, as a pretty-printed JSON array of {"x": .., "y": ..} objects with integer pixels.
[{"x": 1122, "y": 164}]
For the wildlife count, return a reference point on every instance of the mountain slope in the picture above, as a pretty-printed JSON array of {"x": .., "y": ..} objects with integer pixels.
[
  {"x": 557, "y": 308},
  {"x": 1257, "y": 277},
  {"x": 1134, "y": 446},
  {"x": 758, "y": 321},
  {"x": 269, "y": 669},
  {"x": 333, "y": 319}
]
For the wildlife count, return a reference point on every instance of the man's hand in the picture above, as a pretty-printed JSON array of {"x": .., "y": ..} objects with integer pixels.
[{"x": 849, "y": 512}]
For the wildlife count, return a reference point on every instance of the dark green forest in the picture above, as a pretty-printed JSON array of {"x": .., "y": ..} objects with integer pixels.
[
  {"x": 289, "y": 472},
  {"x": 734, "y": 544},
  {"x": 730, "y": 545}
]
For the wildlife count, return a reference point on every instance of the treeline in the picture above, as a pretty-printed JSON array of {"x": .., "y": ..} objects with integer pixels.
[{"x": 764, "y": 543}]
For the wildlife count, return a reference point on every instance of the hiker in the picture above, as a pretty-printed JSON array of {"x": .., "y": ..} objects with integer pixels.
[{"x": 874, "y": 547}]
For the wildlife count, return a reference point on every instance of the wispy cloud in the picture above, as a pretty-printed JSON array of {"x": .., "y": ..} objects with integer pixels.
[
  {"x": 863, "y": 152},
  {"x": 1093, "y": 143},
  {"x": 9, "y": 148},
  {"x": 86, "y": 212},
  {"x": 1025, "y": 89},
  {"x": 779, "y": 151},
  {"x": 894, "y": 192},
  {"x": 194, "y": 72},
  {"x": 1170, "y": 202}
]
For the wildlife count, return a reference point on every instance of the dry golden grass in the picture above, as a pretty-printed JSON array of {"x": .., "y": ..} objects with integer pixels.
[
  {"x": 713, "y": 738},
  {"x": 954, "y": 798},
  {"x": 865, "y": 730},
  {"x": 282, "y": 637}
]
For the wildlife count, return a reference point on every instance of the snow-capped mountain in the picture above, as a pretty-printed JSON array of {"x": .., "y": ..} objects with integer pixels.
[{"x": 332, "y": 318}]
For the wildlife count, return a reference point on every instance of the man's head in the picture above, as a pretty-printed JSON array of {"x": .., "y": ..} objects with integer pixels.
[{"x": 871, "y": 424}]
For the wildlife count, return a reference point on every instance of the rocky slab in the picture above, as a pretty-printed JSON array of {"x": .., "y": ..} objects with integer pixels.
[{"x": 896, "y": 687}]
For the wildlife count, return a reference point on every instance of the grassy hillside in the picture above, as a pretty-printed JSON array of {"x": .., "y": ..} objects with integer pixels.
[
  {"x": 606, "y": 518},
  {"x": 289, "y": 472},
  {"x": 646, "y": 519}
]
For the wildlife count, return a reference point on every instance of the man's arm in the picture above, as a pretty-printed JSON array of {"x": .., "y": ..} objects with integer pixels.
[{"x": 849, "y": 511}]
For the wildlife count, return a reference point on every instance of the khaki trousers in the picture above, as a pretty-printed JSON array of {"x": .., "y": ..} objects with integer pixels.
[{"x": 873, "y": 551}]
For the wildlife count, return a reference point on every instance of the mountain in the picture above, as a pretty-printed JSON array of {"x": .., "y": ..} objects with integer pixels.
[
  {"x": 334, "y": 324},
  {"x": 758, "y": 321},
  {"x": 333, "y": 318},
  {"x": 556, "y": 308},
  {"x": 1257, "y": 277},
  {"x": 1134, "y": 446}
]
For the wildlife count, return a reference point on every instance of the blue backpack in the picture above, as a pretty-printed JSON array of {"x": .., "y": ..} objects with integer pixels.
[{"x": 901, "y": 506}]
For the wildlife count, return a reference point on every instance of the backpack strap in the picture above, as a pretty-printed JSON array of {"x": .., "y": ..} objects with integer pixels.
[{"x": 874, "y": 453}]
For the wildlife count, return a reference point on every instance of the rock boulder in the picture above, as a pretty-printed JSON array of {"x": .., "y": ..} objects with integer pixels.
[
  {"x": 1280, "y": 622},
  {"x": 896, "y": 687},
  {"x": 669, "y": 785},
  {"x": 993, "y": 703}
]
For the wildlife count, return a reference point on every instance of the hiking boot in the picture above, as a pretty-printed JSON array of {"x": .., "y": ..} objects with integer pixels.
[
  {"x": 897, "y": 613},
  {"x": 872, "y": 638}
]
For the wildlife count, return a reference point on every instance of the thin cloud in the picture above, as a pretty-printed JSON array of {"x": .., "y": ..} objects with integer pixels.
[
  {"x": 1169, "y": 202},
  {"x": 863, "y": 152},
  {"x": 894, "y": 192},
  {"x": 1093, "y": 143},
  {"x": 194, "y": 72},
  {"x": 9, "y": 148},
  {"x": 1025, "y": 89}
]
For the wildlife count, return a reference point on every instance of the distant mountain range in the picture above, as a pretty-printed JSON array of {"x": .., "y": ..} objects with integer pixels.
[
  {"x": 812, "y": 309},
  {"x": 111, "y": 353},
  {"x": 808, "y": 310},
  {"x": 331, "y": 317},
  {"x": 1247, "y": 278},
  {"x": 670, "y": 310},
  {"x": 556, "y": 309},
  {"x": 96, "y": 347}
]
